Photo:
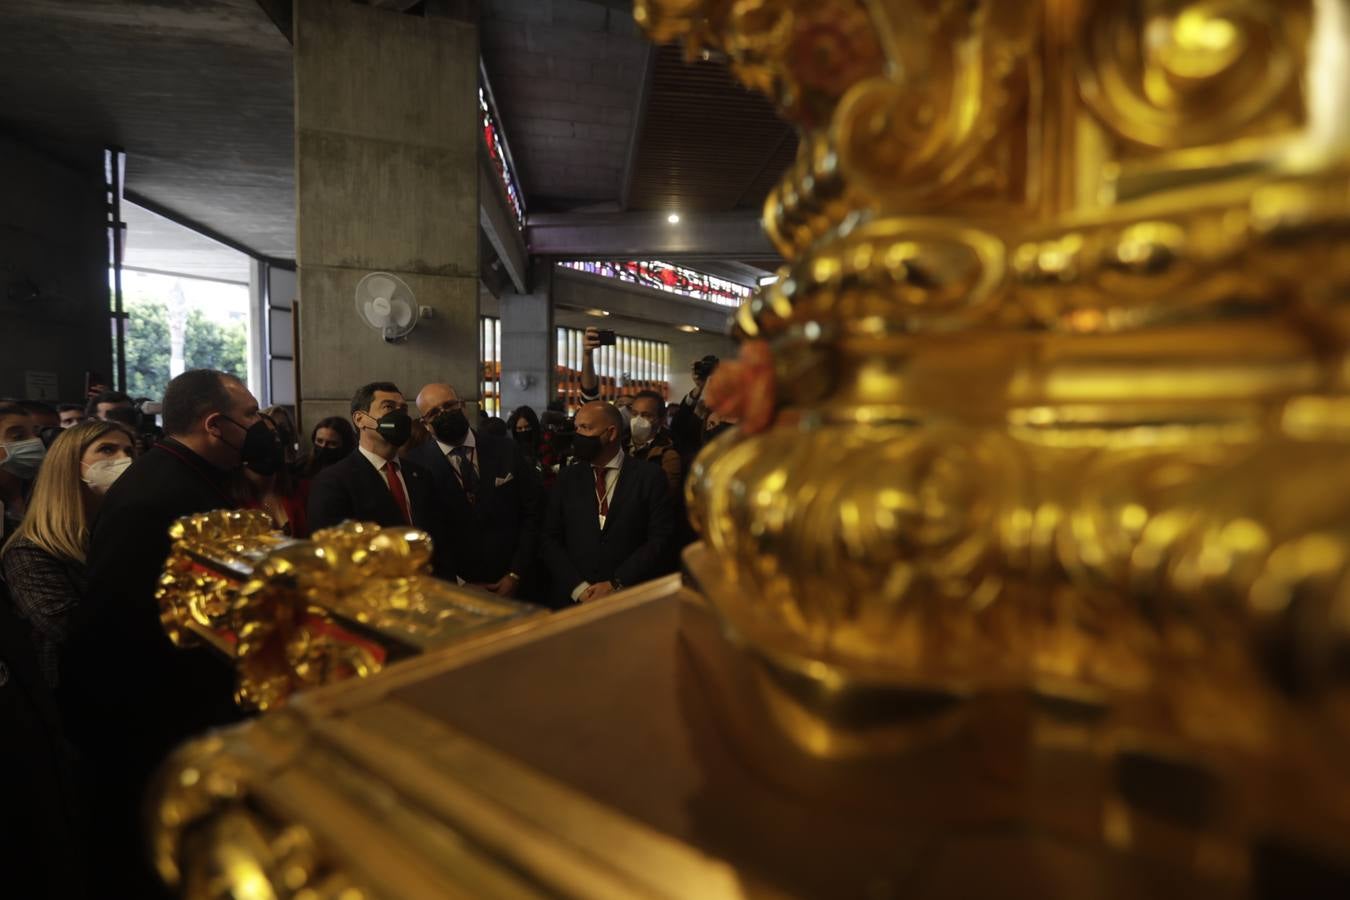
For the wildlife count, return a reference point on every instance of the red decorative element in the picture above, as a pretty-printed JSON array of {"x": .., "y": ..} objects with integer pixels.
[
  {"x": 829, "y": 53},
  {"x": 664, "y": 276},
  {"x": 743, "y": 390},
  {"x": 497, "y": 154}
]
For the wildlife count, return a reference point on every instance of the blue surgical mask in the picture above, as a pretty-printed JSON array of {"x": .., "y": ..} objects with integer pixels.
[{"x": 24, "y": 458}]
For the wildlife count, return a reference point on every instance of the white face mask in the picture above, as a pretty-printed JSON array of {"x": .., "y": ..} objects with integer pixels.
[
  {"x": 101, "y": 475},
  {"x": 641, "y": 430},
  {"x": 24, "y": 458}
]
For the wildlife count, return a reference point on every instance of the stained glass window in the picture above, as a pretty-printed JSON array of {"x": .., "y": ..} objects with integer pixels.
[
  {"x": 501, "y": 158},
  {"x": 664, "y": 276}
]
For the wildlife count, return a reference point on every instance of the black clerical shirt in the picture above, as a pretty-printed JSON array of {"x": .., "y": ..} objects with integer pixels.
[{"x": 124, "y": 673}]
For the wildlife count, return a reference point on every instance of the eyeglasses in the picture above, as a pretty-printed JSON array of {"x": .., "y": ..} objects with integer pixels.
[{"x": 447, "y": 407}]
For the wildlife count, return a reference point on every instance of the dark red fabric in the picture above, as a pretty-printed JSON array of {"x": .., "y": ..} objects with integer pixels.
[
  {"x": 396, "y": 488},
  {"x": 600, "y": 499}
]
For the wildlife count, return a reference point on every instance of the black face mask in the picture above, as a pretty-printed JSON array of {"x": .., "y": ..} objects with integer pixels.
[
  {"x": 262, "y": 451},
  {"x": 450, "y": 427},
  {"x": 273, "y": 462},
  {"x": 326, "y": 456},
  {"x": 395, "y": 427},
  {"x": 526, "y": 436},
  {"x": 586, "y": 447}
]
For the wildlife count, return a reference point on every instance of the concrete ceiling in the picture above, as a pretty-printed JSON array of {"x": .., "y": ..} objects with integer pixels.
[
  {"x": 599, "y": 120},
  {"x": 567, "y": 76},
  {"x": 157, "y": 244},
  {"x": 199, "y": 93}
]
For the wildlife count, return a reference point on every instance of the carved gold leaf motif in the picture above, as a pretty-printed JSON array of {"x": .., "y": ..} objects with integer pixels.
[{"x": 1060, "y": 354}]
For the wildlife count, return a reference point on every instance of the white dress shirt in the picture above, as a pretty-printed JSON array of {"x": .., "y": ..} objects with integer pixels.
[
  {"x": 611, "y": 480},
  {"x": 379, "y": 462}
]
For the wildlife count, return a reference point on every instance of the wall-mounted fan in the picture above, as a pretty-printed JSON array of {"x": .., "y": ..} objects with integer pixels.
[{"x": 388, "y": 305}]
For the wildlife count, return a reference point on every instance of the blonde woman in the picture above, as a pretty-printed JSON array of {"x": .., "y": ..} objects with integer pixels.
[{"x": 43, "y": 561}]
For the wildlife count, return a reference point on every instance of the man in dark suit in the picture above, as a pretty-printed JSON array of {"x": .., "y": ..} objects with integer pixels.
[
  {"x": 128, "y": 694},
  {"x": 490, "y": 495},
  {"x": 609, "y": 521},
  {"x": 373, "y": 484}
]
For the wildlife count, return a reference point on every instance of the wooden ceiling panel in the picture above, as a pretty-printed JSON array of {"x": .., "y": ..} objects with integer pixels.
[{"x": 707, "y": 144}]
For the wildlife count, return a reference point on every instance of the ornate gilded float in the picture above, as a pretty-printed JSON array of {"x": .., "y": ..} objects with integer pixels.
[
  {"x": 1028, "y": 571},
  {"x": 291, "y": 614}
]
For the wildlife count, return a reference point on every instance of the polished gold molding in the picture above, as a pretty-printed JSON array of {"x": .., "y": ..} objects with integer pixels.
[
  {"x": 349, "y": 793},
  {"x": 293, "y": 614},
  {"x": 1059, "y": 358}
]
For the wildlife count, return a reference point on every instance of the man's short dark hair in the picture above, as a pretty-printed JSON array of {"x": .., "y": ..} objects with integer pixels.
[
  {"x": 650, "y": 395},
  {"x": 12, "y": 409},
  {"x": 193, "y": 396},
  {"x": 365, "y": 394},
  {"x": 106, "y": 397},
  {"x": 70, "y": 407},
  {"x": 38, "y": 407}
]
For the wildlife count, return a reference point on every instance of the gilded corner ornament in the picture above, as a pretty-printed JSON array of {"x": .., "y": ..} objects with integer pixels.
[{"x": 291, "y": 614}]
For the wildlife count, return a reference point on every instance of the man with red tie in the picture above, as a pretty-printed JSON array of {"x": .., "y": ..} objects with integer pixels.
[
  {"x": 610, "y": 522},
  {"x": 373, "y": 484}
]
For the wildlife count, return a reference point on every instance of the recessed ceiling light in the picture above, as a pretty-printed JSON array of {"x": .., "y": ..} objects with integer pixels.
[
  {"x": 673, "y": 218},
  {"x": 688, "y": 329},
  {"x": 597, "y": 312}
]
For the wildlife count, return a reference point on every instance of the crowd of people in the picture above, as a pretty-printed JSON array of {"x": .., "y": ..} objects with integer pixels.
[{"x": 543, "y": 509}]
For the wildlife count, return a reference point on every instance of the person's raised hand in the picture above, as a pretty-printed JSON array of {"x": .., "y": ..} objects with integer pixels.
[{"x": 591, "y": 339}]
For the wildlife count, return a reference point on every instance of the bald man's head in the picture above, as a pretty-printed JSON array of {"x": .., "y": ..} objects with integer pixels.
[
  {"x": 603, "y": 421},
  {"x": 437, "y": 398},
  {"x": 609, "y": 411}
]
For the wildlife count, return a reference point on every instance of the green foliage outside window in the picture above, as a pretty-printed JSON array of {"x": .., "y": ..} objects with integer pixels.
[{"x": 206, "y": 345}]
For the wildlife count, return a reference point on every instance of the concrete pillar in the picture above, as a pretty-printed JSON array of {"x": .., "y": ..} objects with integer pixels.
[
  {"x": 528, "y": 343},
  {"x": 53, "y": 273},
  {"x": 386, "y": 156}
]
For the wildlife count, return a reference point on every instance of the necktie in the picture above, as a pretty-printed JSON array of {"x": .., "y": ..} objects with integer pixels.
[
  {"x": 468, "y": 475},
  {"x": 396, "y": 488},
  {"x": 600, "y": 492}
]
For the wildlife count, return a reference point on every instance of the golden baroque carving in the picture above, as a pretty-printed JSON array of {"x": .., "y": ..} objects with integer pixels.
[
  {"x": 1181, "y": 73},
  {"x": 211, "y": 838},
  {"x": 295, "y": 614},
  {"x": 1060, "y": 358},
  {"x": 929, "y": 555},
  {"x": 942, "y": 126}
]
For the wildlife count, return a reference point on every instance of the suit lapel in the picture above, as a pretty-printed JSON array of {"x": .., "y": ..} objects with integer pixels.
[
  {"x": 441, "y": 468},
  {"x": 376, "y": 487},
  {"x": 621, "y": 490},
  {"x": 417, "y": 492},
  {"x": 585, "y": 486},
  {"x": 491, "y": 466}
]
